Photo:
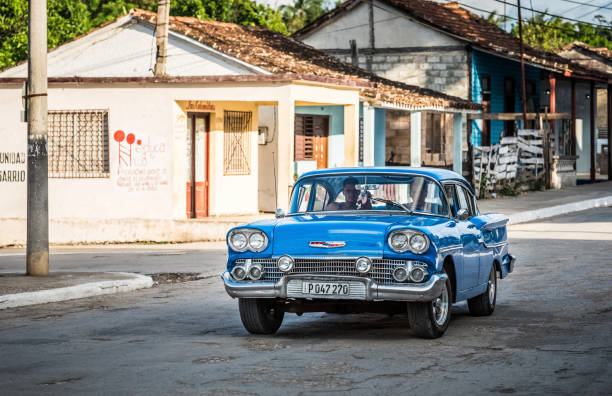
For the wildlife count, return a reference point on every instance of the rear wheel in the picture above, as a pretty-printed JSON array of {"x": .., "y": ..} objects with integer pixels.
[
  {"x": 484, "y": 304},
  {"x": 260, "y": 315},
  {"x": 430, "y": 319}
]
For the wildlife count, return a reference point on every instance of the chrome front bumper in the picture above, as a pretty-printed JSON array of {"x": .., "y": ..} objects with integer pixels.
[{"x": 426, "y": 291}]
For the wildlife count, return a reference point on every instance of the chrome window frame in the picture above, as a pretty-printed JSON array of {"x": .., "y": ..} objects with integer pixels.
[{"x": 449, "y": 211}]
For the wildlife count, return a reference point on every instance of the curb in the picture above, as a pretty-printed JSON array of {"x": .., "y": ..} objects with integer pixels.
[
  {"x": 78, "y": 291},
  {"x": 552, "y": 211}
]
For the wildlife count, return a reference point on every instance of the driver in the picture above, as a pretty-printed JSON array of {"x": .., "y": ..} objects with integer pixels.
[{"x": 350, "y": 196}]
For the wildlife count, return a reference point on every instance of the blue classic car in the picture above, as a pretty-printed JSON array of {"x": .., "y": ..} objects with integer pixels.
[{"x": 388, "y": 240}]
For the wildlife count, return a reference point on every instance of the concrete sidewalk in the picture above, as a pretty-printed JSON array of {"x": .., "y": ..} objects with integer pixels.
[
  {"x": 537, "y": 205},
  {"x": 18, "y": 290}
]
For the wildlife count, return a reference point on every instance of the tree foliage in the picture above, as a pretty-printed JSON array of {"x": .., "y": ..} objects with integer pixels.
[
  {"x": 301, "y": 13},
  {"x": 67, "y": 19},
  {"x": 552, "y": 33}
]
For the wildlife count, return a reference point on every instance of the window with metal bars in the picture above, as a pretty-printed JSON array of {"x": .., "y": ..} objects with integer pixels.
[
  {"x": 236, "y": 142},
  {"x": 78, "y": 143}
]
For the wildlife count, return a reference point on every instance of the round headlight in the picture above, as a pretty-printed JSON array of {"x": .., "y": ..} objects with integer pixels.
[
  {"x": 239, "y": 273},
  {"x": 417, "y": 274},
  {"x": 257, "y": 241},
  {"x": 255, "y": 272},
  {"x": 363, "y": 265},
  {"x": 238, "y": 241},
  {"x": 285, "y": 263},
  {"x": 418, "y": 243},
  {"x": 399, "y": 242},
  {"x": 400, "y": 274}
]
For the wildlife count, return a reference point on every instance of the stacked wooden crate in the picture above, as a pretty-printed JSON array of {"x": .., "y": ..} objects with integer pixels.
[
  {"x": 531, "y": 157},
  {"x": 496, "y": 164},
  {"x": 514, "y": 158}
]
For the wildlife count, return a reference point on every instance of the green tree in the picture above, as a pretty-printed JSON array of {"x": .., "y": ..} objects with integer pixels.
[
  {"x": 301, "y": 13},
  {"x": 67, "y": 19},
  {"x": 552, "y": 33}
]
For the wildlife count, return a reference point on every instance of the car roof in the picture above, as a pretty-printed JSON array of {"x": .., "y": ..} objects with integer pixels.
[{"x": 438, "y": 174}]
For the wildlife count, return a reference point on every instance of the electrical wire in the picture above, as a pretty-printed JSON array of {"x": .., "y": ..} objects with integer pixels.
[
  {"x": 554, "y": 15},
  {"x": 587, "y": 4},
  {"x": 597, "y": 9},
  {"x": 516, "y": 19}
]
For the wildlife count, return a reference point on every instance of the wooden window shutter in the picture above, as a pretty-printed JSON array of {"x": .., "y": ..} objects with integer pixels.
[{"x": 304, "y": 137}]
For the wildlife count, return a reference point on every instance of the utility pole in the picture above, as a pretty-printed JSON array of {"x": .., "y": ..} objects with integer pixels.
[
  {"x": 37, "y": 250},
  {"x": 161, "y": 29},
  {"x": 520, "y": 23}
]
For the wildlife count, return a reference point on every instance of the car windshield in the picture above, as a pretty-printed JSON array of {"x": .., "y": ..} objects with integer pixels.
[{"x": 371, "y": 192}]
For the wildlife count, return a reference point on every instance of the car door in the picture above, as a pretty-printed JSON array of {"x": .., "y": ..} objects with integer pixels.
[{"x": 471, "y": 239}]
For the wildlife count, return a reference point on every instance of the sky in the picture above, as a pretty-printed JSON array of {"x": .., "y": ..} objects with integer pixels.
[{"x": 565, "y": 8}]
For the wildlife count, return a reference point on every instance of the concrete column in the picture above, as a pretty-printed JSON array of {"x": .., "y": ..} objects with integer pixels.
[
  {"x": 458, "y": 120},
  {"x": 351, "y": 131},
  {"x": 415, "y": 138},
  {"x": 368, "y": 135},
  {"x": 283, "y": 153}
]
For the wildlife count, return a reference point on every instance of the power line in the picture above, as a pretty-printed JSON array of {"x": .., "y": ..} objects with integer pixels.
[
  {"x": 509, "y": 17},
  {"x": 587, "y": 4},
  {"x": 553, "y": 15},
  {"x": 597, "y": 9}
]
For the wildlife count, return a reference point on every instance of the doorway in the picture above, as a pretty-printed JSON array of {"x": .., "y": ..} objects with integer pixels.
[
  {"x": 311, "y": 133},
  {"x": 198, "y": 165}
]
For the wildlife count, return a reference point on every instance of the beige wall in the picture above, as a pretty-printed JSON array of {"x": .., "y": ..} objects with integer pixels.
[{"x": 155, "y": 114}]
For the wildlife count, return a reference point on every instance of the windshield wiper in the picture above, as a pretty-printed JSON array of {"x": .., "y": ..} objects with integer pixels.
[{"x": 392, "y": 202}]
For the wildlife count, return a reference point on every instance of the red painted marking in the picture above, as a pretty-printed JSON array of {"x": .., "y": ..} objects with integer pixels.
[
  {"x": 139, "y": 142},
  {"x": 119, "y": 136},
  {"x": 130, "y": 138}
]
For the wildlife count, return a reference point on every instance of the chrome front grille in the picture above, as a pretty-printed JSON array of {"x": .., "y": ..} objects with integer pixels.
[{"x": 380, "y": 273}]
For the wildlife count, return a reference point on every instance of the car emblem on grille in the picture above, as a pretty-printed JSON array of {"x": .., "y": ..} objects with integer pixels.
[{"x": 327, "y": 244}]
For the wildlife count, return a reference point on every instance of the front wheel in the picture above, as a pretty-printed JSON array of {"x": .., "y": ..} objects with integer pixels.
[
  {"x": 260, "y": 315},
  {"x": 430, "y": 319},
  {"x": 484, "y": 304}
]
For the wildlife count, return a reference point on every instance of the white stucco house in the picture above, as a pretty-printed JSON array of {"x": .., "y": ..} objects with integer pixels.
[{"x": 177, "y": 158}]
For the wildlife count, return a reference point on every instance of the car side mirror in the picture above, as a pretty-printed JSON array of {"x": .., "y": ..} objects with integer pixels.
[
  {"x": 463, "y": 214},
  {"x": 279, "y": 213}
]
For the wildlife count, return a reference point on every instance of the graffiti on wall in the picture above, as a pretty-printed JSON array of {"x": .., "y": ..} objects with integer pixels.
[
  {"x": 142, "y": 163},
  {"x": 12, "y": 160}
]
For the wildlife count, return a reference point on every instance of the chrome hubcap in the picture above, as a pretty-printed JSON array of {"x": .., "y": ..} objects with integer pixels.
[
  {"x": 491, "y": 290},
  {"x": 440, "y": 307}
]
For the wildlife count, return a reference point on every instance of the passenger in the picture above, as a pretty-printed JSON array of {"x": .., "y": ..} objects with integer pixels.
[{"x": 351, "y": 194}]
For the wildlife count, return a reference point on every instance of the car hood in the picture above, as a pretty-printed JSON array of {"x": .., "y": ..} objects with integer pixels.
[{"x": 362, "y": 235}]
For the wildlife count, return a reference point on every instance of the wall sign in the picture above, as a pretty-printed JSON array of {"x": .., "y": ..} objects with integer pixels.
[
  {"x": 142, "y": 162},
  {"x": 9, "y": 162},
  {"x": 198, "y": 105}
]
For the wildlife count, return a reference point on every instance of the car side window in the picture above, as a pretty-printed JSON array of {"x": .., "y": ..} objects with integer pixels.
[
  {"x": 464, "y": 200},
  {"x": 321, "y": 198},
  {"x": 450, "y": 196},
  {"x": 304, "y": 197}
]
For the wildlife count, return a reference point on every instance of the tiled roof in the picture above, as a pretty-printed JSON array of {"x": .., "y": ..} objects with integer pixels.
[
  {"x": 603, "y": 51},
  {"x": 280, "y": 54},
  {"x": 463, "y": 25}
]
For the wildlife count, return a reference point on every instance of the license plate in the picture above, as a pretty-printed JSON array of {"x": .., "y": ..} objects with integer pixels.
[{"x": 326, "y": 288}]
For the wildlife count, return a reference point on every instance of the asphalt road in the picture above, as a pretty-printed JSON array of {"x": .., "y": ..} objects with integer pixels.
[{"x": 549, "y": 334}]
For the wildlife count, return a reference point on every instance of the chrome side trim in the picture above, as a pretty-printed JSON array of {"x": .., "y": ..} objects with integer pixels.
[
  {"x": 495, "y": 245},
  {"x": 450, "y": 248},
  {"x": 426, "y": 291}
]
